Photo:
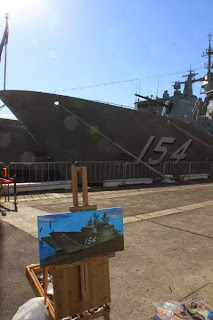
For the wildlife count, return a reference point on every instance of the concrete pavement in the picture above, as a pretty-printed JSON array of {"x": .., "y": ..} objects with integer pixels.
[{"x": 168, "y": 246}]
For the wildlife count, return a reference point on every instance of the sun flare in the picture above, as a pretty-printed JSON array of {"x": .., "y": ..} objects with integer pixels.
[{"x": 14, "y": 7}]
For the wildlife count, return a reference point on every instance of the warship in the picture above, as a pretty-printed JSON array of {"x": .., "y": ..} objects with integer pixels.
[
  {"x": 93, "y": 233},
  {"x": 75, "y": 129}
]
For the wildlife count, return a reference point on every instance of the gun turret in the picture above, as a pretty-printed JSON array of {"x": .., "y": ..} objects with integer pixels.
[
  {"x": 168, "y": 104},
  {"x": 152, "y": 100}
]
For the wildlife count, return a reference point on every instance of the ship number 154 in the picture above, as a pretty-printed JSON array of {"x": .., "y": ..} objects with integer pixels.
[
  {"x": 89, "y": 240},
  {"x": 177, "y": 155}
]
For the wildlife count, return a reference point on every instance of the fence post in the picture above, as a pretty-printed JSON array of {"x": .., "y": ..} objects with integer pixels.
[
  {"x": 164, "y": 168},
  {"x": 124, "y": 171},
  {"x": 190, "y": 164}
]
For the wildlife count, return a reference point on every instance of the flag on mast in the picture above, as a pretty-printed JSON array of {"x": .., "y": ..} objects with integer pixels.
[{"x": 4, "y": 40}]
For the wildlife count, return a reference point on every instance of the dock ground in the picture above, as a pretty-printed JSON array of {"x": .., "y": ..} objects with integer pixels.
[{"x": 168, "y": 246}]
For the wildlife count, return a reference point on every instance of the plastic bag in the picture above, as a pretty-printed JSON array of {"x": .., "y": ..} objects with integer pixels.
[{"x": 34, "y": 309}]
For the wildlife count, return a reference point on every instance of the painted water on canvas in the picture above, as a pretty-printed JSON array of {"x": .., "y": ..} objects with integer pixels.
[{"x": 75, "y": 236}]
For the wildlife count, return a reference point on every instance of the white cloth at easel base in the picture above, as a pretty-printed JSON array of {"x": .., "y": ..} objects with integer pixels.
[{"x": 34, "y": 309}]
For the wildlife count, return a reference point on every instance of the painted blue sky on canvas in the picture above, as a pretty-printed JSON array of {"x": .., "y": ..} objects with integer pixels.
[
  {"x": 74, "y": 221},
  {"x": 59, "y": 45}
]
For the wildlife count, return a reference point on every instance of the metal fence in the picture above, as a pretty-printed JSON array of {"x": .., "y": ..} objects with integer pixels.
[
  {"x": 188, "y": 168},
  {"x": 98, "y": 171},
  {"x": 28, "y": 172}
]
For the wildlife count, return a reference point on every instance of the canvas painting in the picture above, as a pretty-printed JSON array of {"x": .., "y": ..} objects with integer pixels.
[{"x": 75, "y": 236}]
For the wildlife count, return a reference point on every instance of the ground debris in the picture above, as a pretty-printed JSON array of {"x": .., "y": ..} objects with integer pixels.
[{"x": 190, "y": 310}]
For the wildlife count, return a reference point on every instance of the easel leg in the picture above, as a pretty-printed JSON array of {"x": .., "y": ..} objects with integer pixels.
[
  {"x": 74, "y": 171},
  {"x": 107, "y": 317},
  {"x": 45, "y": 283},
  {"x": 84, "y": 186}
]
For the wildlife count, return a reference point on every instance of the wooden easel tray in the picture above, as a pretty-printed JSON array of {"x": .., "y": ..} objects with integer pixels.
[
  {"x": 80, "y": 286},
  {"x": 31, "y": 272}
]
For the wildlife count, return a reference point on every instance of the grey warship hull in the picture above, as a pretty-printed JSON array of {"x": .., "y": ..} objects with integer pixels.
[
  {"x": 86, "y": 130},
  {"x": 78, "y": 253},
  {"x": 70, "y": 242},
  {"x": 16, "y": 144}
]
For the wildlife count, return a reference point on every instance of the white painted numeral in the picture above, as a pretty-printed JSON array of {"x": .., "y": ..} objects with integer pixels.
[
  {"x": 162, "y": 149},
  {"x": 90, "y": 240},
  {"x": 94, "y": 240},
  {"x": 145, "y": 149},
  {"x": 180, "y": 153}
]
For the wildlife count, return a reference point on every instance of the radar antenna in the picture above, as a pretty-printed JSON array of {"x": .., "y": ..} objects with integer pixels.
[{"x": 188, "y": 92}]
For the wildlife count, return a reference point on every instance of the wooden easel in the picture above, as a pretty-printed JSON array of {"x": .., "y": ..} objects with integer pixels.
[
  {"x": 85, "y": 206},
  {"x": 83, "y": 285}
]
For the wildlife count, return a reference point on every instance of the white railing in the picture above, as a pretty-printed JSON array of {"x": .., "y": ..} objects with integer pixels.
[
  {"x": 98, "y": 171},
  {"x": 42, "y": 172}
]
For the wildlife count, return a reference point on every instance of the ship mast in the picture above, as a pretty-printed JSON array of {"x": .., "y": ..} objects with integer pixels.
[
  {"x": 188, "y": 92},
  {"x": 208, "y": 54}
]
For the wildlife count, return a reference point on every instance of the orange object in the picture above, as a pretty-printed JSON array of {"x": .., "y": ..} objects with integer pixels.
[
  {"x": 4, "y": 172},
  {"x": 6, "y": 181}
]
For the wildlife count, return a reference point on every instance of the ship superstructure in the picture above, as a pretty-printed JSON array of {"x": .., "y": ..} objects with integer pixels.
[
  {"x": 205, "y": 108},
  {"x": 186, "y": 106}
]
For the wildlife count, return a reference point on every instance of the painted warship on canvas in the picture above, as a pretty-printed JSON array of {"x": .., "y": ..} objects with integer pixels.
[
  {"x": 95, "y": 231},
  {"x": 97, "y": 237}
]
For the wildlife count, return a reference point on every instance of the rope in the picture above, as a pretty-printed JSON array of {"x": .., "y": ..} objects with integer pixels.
[
  {"x": 113, "y": 142},
  {"x": 4, "y": 105},
  {"x": 29, "y": 133},
  {"x": 190, "y": 135},
  {"x": 123, "y": 81}
]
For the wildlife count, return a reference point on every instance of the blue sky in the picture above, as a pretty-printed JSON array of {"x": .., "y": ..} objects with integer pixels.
[{"x": 57, "y": 45}]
